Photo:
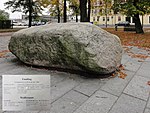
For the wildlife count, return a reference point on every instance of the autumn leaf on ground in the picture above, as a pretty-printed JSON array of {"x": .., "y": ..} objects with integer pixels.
[
  {"x": 140, "y": 61},
  {"x": 3, "y": 53},
  {"x": 119, "y": 72},
  {"x": 139, "y": 56},
  {"x": 114, "y": 74},
  {"x": 122, "y": 75},
  {"x": 121, "y": 67},
  {"x": 148, "y": 82},
  {"x": 131, "y": 38}
]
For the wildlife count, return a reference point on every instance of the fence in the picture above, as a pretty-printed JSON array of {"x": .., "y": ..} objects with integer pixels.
[
  {"x": 129, "y": 28},
  {"x": 5, "y": 24}
]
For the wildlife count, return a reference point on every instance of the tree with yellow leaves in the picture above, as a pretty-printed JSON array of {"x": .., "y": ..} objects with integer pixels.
[{"x": 55, "y": 8}]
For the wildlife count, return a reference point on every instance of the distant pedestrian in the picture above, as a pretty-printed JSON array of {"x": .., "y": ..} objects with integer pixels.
[{"x": 115, "y": 27}]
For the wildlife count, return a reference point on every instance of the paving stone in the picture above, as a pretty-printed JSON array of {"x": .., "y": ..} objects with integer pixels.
[
  {"x": 63, "y": 106},
  {"x": 134, "y": 49},
  {"x": 4, "y": 40},
  {"x": 8, "y": 67},
  {"x": 1, "y": 98},
  {"x": 8, "y": 60},
  {"x": 148, "y": 59},
  {"x": 89, "y": 86},
  {"x": 100, "y": 102},
  {"x": 146, "y": 65},
  {"x": 116, "y": 85},
  {"x": 125, "y": 58},
  {"x": 25, "y": 111},
  {"x": 58, "y": 77},
  {"x": 76, "y": 97},
  {"x": 145, "y": 72},
  {"x": 132, "y": 65},
  {"x": 25, "y": 71},
  {"x": 61, "y": 88},
  {"x": 147, "y": 110},
  {"x": 14, "y": 71},
  {"x": 128, "y": 104},
  {"x": 34, "y": 71},
  {"x": 148, "y": 104},
  {"x": 143, "y": 52},
  {"x": 77, "y": 77},
  {"x": 138, "y": 88},
  {"x": 68, "y": 103}
]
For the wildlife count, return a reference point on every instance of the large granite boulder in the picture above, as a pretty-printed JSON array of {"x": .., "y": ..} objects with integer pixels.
[{"x": 77, "y": 46}]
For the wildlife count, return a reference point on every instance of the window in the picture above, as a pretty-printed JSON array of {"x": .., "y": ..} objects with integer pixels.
[
  {"x": 92, "y": 11},
  {"x": 100, "y": 2},
  {"x": 95, "y": 12},
  {"x": 119, "y": 18},
  {"x": 98, "y": 18},
  {"x": 100, "y": 10},
  {"x": 133, "y": 20},
  {"x": 107, "y": 18},
  {"x": 103, "y": 18},
  {"x": 93, "y": 18}
]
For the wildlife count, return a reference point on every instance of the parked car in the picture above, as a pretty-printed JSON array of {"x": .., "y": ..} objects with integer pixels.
[
  {"x": 19, "y": 24},
  {"x": 123, "y": 23},
  {"x": 15, "y": 23},
  {"x": 34, "y": 23}
]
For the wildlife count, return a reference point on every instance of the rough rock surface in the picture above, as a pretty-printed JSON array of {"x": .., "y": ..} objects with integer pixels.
[{"x": 77, "y": 46}]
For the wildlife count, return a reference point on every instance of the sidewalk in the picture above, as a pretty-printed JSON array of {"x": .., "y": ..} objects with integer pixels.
[{"x": 71, "y": 93}]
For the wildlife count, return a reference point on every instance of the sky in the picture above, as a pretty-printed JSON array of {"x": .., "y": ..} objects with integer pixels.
[{"x": 16, "y": 15}]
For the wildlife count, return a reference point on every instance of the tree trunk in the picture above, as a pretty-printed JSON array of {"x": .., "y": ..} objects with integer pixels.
[
  {"x": 106, "y": 11},
  {"x": 76, "y": 17},
  {"x": 106, "y": 21},
  {"x": 65, "y": 12},
  {"x": 83, "y": 11},
  {"x": 30, "y": 13},
  {"x": 142, "y": 21},
  {"x": 89, "y": 10},
  {"x": 58, "y": 13},
  {"x": 138, "y": 26}
]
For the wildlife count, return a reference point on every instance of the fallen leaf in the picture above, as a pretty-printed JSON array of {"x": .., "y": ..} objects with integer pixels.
[
  {"x": 139, "y": 56},
  {"x": 140, "y": 61},
  {"x": 3, "y": 53},
  {"x": 122, "y": 75},
  {"x": 148, "y": 82},
  {"x": 121, "y": 67},
  {"x": 131, "y": 38},
  {"x": 113, "y": 75}
]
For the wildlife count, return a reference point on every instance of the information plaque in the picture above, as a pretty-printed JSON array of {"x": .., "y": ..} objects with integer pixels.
[{"x": 25, "y": 92}]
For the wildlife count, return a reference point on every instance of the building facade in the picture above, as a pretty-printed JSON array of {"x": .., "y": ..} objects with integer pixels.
[{"x": 99, "y": 15}]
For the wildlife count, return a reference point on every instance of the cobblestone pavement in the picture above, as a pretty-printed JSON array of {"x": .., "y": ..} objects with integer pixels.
[{"x": 72, "y": 93}]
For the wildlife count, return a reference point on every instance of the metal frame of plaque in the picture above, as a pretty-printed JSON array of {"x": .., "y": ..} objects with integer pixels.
[{"x": 25, "y": 92}]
